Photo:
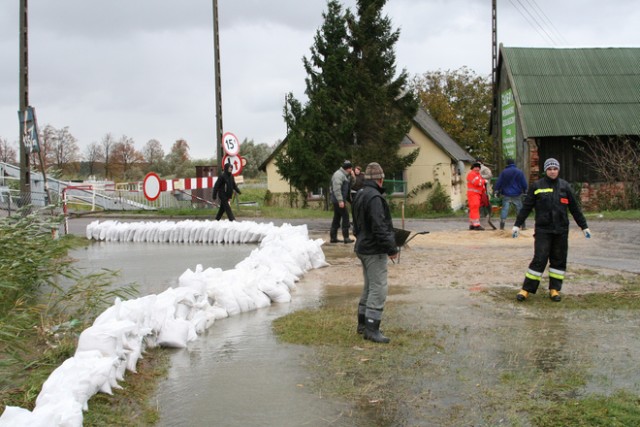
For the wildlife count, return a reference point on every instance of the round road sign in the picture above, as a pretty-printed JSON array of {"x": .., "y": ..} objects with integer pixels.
[
  {"x": 230, "y": 144},
  {"x": 151, "y": 186}
]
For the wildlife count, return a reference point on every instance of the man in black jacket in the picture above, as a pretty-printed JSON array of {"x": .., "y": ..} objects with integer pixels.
[
  {"x": 375, "y": 242},
  {"x": 551, "y": 197},
  {"x": 223, "y": 189}
]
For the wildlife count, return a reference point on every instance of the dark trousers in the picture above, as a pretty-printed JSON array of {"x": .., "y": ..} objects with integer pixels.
[
  {"x": 551, "y": 248},
  {"x": 225, "y": 208},
  {"x": 340, "y": 220}
]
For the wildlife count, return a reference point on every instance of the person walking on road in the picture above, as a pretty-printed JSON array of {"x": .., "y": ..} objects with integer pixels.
[
  {"x": 223, "y": 190},
  {"x": 340, "y": 194},
  {"x": 375, "y": 244},
  {"x": 551, "y": 197},
  {"x": 476, "y": 190},
  {"x": 511, "y": 185}
]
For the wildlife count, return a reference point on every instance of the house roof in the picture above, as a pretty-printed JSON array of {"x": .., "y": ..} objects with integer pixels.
[
  {"x": 585, "y": 91},
  {"x": 430, "y": 127}
]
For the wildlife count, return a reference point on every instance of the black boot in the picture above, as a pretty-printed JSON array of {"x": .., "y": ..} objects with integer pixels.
[
  {"x": 372, "y": 331},
  {"x": 333, "y": 235},
  {"x": 345, "y": 234},
  {"x": 360, "y": 323},
  {"x": 501, "y": 225}
]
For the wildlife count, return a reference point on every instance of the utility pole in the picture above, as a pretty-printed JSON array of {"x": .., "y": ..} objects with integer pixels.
[
  {"x": 218, "y": 88},
  {"x": 25, "y": 176},
  {"x": 494, "y": 80}
]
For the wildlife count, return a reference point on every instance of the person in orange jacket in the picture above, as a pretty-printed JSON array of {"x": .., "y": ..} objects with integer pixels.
[{"x": 476, "y": 189}]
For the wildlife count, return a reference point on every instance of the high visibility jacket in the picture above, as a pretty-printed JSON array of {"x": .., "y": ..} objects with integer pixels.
[
  {"x": 475, "y": 182},
  {"x": 551, "y": 198}
]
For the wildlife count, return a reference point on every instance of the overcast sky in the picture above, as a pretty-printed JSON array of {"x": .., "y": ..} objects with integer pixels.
[{"x": 144, "y": 68}]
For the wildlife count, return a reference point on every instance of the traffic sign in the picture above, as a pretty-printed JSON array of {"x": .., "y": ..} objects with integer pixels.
[
  {"x": 237, "y": 164},
  {"x": 151, "y": 186},
  {"x": 230, "y": 144}
]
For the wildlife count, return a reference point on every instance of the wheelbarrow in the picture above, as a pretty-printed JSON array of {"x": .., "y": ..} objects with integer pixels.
[{"x": 402, "y": 238}]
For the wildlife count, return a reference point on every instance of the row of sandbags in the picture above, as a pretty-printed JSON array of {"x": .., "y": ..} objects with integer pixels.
[
  {"x": 118, "y": 337},
  {"x": 189, "y": 231}
]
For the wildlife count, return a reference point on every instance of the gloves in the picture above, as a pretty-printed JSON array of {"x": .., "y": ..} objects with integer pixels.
[
  {"x": 515, "y": 232},
  {"x": 587, "y": 233}
]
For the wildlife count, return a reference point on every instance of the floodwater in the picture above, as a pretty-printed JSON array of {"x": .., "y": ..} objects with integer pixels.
[{"x": 235, "y": 374}]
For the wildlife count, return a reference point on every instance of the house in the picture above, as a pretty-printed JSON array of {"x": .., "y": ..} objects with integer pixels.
[
  {"x": 553, "y": 102},
  {"x": 441, "y": 160}
]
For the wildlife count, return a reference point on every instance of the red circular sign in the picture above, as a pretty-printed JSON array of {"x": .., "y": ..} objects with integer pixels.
[
  {"x": 237, "y": 164},
  {"x": 230, "y": 144},
  {"x": 151, "y": 186}
]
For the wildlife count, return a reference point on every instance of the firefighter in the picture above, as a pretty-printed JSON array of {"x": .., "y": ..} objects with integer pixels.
[
  {"x": 551, "y": 197},
  {"x": 476, "y": 189}
]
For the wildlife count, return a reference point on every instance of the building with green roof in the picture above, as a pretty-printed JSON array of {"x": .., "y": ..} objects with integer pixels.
[{"x": 553, "y": 102}]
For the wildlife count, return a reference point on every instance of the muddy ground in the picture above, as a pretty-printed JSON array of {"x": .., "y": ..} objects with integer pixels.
[{"x": 492, "y": 357}]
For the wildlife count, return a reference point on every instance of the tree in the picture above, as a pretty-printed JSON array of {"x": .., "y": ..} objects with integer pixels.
[
  {"x": 460, "y": 101},
  {"x": 255, "y": 155},
  {"x": 93, "y": 154},
  {"x": 321, "y": 132},
  {"x": 127, "y": 157},
  {"x": 65, "y": 150},
  {"x": 154, "y": 156},
  {"x": 8, "y": 154},
  {"x": 384, "y": 107},
  {"x": 356, "y": 109},
  {"x": 178, "y": 160},
  {"x": 107, "y": 144}
]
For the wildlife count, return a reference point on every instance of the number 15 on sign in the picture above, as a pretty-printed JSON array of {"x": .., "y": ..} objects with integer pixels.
[{"x": 230, "y": 144}]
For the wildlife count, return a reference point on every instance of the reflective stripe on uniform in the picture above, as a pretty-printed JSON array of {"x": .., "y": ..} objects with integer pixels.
[
  {"x": 556, "y": 274},
  {"x": 533, "y": 275},
  {"x": 544, "y": 190}
]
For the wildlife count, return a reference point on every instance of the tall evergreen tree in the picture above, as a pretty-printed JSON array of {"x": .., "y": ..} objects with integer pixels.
[
  {"x": 384, "y": 107},
  {"x": 321, "y": 132}
]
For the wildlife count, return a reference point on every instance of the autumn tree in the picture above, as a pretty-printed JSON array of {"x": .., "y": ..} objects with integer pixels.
[
  {"x": 65, "y": 151},
  {"x": 153, "y": 154},
  {"x": 178, "y": 160},
  {"x": 8, "y": 154},
  {"x": 460, "y": 101},
  {"x": 127, "y": 158}
]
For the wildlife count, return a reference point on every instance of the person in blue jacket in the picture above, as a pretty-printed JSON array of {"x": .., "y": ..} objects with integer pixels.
[{"x": 511, "y": 185}]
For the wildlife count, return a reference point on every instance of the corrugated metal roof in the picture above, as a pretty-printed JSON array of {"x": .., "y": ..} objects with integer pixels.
[
  {"x": 586, "y": 91},
  {"x": 440, "y": 137}
]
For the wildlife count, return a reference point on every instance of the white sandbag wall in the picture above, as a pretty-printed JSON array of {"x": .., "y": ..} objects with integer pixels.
[{"x": 120, "y": 334}]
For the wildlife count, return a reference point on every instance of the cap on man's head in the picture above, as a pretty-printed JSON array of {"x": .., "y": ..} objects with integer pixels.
[
  {"x": 347, "y": 165},
  {"x": 476, "y": 165},
  {"x": 511, "y": 162},
  {"x": 551, "y": 163},
  {"x": 374, "y": 171}
]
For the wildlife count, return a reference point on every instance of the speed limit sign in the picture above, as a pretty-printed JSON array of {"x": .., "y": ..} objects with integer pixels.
[{"x": 230, "y": 144}]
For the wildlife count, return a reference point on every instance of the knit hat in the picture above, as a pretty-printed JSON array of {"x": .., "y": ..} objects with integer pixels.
[
  {"x": 511, "y": 162},
  {"x": 347, "y": 165},
  {"x": 476, "y": 165},
  {"x": 374, "y": 171},
  {"x": 551, "y": 163}
]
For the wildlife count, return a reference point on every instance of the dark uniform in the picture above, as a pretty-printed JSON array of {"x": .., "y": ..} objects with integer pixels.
[
  {"x": 223, "y": 189},
  {"x": 551, "y": 199}
]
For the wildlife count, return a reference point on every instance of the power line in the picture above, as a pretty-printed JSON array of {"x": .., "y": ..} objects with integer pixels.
[
  {"x": 546, "y": 20},
  {"x": 533, "y": 21}
]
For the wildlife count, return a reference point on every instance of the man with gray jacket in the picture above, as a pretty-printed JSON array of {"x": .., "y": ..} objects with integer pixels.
[
  {"x": 340, "y": 194},
  {"x": 375, "y": 244}
]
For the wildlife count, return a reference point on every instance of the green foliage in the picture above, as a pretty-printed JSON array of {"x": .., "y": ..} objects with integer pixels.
[
  {"x": 255, "y": 154},
  {"x": 356, "y": 108},
  {"x": 460, "y": 101}
]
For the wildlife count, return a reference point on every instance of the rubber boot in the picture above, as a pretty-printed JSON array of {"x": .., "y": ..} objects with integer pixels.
[
  {"x": 372, "y": 331},
  {"x": 501, "y": 225},
  {"x": 333, "y": 235},
  {"x": 345, "y": 234},
  {"x": 361, "y": 323}
]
